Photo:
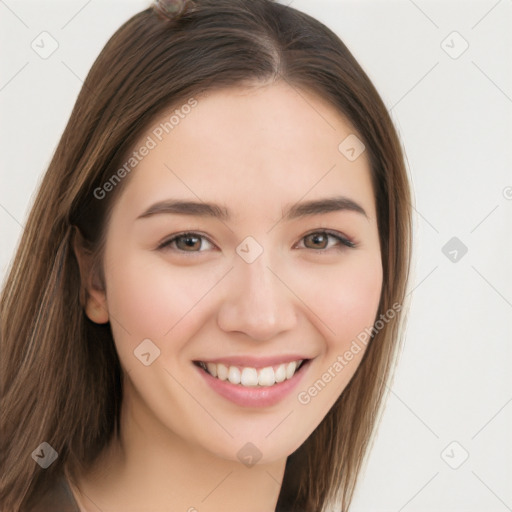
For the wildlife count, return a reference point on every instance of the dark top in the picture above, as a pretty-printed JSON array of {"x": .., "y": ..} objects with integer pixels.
[{"x": 58, "y": 498}]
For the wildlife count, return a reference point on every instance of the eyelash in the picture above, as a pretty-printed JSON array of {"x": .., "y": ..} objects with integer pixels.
[{"x": 345, "y": 242}]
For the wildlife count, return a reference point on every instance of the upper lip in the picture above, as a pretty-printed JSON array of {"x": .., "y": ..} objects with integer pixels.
[{"x": 255, "y": 362}]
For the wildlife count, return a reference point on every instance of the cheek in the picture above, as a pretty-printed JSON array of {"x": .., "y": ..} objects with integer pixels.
[
  {"x": 139, "y": 301},
  {"x": 154, "y": 300},
  {"x": 345, "y": 298},
  {"x": 359, "y": 301}
]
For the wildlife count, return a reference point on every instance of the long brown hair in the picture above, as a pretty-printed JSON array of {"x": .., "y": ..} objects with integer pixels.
[{"x": 60, "y": 374}]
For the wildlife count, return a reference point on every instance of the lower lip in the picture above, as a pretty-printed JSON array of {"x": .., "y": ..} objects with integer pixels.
[{"x": 256, "y": 396}]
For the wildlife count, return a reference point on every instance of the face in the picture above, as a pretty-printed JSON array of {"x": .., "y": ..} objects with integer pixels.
[{"x": 257, "y": 281}]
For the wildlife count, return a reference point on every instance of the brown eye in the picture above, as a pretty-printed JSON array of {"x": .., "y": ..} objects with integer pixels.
[
  {"x": 190, "y": 242},
  {"x": 185, "y": 242},
  {"x": 320, "y": 240}
]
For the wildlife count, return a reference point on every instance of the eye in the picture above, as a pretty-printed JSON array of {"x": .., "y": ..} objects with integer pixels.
[
  {"x": 321, "y": 238},
  {"x": 185, "y": 242}
]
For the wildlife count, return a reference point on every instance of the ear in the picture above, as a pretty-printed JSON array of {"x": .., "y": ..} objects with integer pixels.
[{"x": 92, "y": 294}]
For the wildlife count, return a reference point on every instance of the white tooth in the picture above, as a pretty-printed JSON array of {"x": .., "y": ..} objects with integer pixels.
[
  {"x": 290, "y": 369},
  {"x": 222, "y": 371},
  {"x": 234, "y": 375},
  {"x": 249, "y": 377},
  {"x": 212, "y": 368},
  {"x": 266, "y": 376},
  {"x": 280, "y": 373}
]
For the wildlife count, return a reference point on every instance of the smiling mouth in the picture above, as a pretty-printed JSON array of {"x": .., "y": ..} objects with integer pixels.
[{"x": 251, "y": 377}]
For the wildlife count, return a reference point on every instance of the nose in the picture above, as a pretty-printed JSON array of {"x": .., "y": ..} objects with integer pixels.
[{"x": 257, "y": 303}]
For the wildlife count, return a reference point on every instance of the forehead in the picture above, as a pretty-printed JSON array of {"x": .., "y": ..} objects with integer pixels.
[{"x": 249, "y": 148}]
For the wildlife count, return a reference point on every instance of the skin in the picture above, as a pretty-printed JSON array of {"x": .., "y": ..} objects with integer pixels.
[{"x": 255, "y": 151}]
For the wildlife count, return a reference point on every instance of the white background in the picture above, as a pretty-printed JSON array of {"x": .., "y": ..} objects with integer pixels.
[{"x": 454, "y": 117}]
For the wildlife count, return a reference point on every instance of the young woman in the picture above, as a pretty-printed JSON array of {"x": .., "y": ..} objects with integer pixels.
[{"x": 207, "y": 299}]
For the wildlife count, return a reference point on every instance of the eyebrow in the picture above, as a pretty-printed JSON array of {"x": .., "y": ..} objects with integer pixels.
[{"x": 296, "y": 211}]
